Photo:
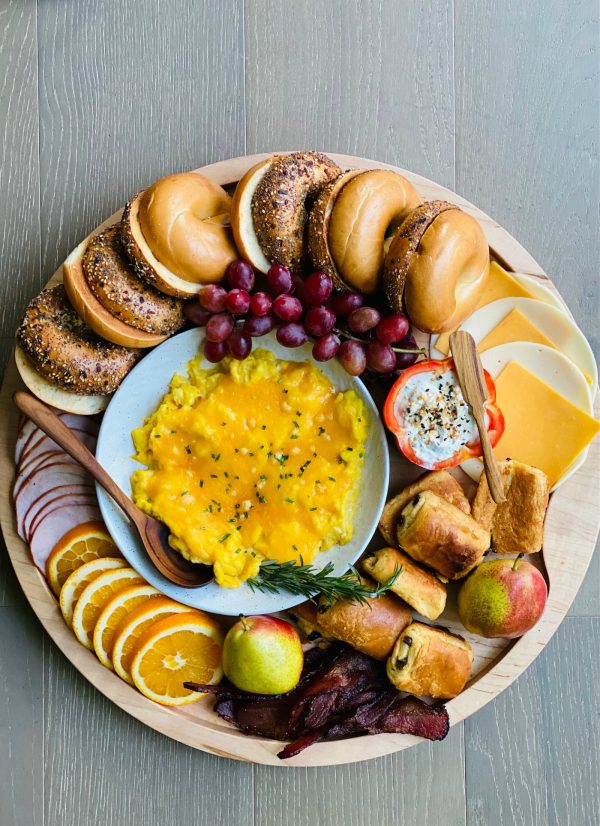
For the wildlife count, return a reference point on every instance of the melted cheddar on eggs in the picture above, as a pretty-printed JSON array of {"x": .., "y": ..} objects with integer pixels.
[{"x": 251, "y": 460}]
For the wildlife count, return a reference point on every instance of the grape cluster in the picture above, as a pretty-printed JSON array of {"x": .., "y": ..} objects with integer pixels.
[{"x": 341, "y": 326}]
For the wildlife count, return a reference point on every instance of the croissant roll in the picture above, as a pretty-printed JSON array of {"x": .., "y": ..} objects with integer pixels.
[
  {"x": 306, "y": 616},
  {"x": 437, "y": 481},
  {"x": 430, "y": 662},
  {"x": 371, "y": 628},
  {"x": 434, "y": 532},
  {"x": 419, "y": 588}
]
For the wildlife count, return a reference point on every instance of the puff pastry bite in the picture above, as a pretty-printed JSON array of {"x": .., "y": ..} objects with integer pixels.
[
  {"x": 372, "y": 628},
  {"x": 437, "y": 481},
  {"x": 441, "y": 536},
  {"x": 517, "y": 524},
  {"x": 430, "y": 662},
  {"x": 419, "y": 588}
]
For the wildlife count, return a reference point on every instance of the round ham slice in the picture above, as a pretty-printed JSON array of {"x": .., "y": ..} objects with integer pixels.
[
  {"x": 44, "y": 465},
  {"x": 54, "y": 526},
  {"x": 43, "y": 480},
  {"x": 56, "y": 495},
  {"x": 83, "y": 497},
  {"x": 29, "y": 430},
  {"x": 43, "y": 443}
]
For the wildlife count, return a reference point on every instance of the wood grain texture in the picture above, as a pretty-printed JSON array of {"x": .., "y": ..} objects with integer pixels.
[
  {"x": 372, "y": 79},
  {"x": 22, "y": 644},
  {"x": 20, "y": 275},
  {"x": 527, "y": 115},
  {"x": 109, "y": 768},
  {"x": 130, "y": 92},
  {"x": 532, "y": 757}
]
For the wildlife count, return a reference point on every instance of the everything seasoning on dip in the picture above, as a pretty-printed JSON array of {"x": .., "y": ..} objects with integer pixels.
[{"x": 432, "y": 422}]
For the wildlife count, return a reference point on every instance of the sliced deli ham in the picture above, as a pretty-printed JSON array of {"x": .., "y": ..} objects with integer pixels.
[
  {"x": 54, "y": 526},
  {"x": 30, "y": 431},
  {"x": 44, "y": 480},
  {"x": 55, "y": 499}
]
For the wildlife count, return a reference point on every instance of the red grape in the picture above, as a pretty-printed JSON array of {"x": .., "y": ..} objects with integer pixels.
[
  {"x": 292, "y": 334},
  {"x": 279, "y": 279},
  {"x": 219, "y": 326},
  {"x": 238, "y": 302},
  {"x": 392, "y": 328},
  {"x": 261, "y": 303},
  {"x": 239, "y": 344},
  {"x": 214, "y": 351},
  {"x": 363, "y": 319},
  {"x": 287, "y": 307},
  {"x": 212, "y": 297},
  {"x": 317, "y": 288},
  {"x": 343, "y": 303},
  {"x": 196, "y": 314},
  {"x": 259, "y": 325},
  {"x": 240, "y": 275},
  {"x": 351, "y": 356},
  {"x": 380, "y": 357},
  {"x": 326, "y": 347},
  {"x": 319, "y": 321},
  {"x": 298, "y": 286}
]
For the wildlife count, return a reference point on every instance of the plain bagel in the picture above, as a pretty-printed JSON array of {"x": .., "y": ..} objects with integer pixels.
[
  {"x": 112, "y": 300},
  {"x": 63, "y": 349},
  {"x": 367, "y": 209},
  {"x": 436, "y": 266},
  {"x": 280, "y": 203},
  {"x": 177, "y": 235}
]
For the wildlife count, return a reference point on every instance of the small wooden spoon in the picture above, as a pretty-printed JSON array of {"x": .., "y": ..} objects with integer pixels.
[
  {"x": 472, "y": 382},
  {"x": 154, "y": 534}
]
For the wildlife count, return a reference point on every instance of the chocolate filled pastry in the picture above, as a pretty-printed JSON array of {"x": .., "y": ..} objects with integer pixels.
[
  {"x": 517, "y": 524},
  {"x": 371, "y": 628},
  {"x": 430, "y": 662},
  {"x": 437, "y": 481},
  {"x": 439, "y": 535},
  {"x": 419, "y": 588},
  {"x": 306, "y": 617}
]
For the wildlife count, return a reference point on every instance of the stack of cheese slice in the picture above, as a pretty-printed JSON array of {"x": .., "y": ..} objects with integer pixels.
[{"x": 545, "y": 372}]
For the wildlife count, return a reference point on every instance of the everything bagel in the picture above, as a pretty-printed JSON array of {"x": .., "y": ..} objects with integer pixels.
[
  {"x": 367, "y": 208},
  {"x": 436, "y": 266},
  {"x": 66, "y": 352},
  {"x": 177, "y": 236},
  {"x": 280, "y": 202}
]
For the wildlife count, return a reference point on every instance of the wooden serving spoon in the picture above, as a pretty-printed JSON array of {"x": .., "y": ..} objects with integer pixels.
[
  {"x": 472, "y": 382},
  {"x": 154, "y": 534}
]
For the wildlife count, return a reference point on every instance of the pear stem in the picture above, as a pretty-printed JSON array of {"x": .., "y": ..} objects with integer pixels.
[
  {"x": 244, "y": 623},
  {"x": 516, "y": 560}
]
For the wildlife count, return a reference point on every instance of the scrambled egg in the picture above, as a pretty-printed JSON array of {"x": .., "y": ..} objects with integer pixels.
[{"x": 251, "y": 460}]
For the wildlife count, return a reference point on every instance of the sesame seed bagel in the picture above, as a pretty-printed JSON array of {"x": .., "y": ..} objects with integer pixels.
[
  {"x": 436, "y": 266},
  {"x": 241, "y": 216},
  {"x": 64, "y": 350},
  {"x": 318, "y": 228},
  {"x": 281, "y": 201},
  {"x": 176, "y": 234},
  {"x": 121, "y": 292},
  {"x": 367, "y": 209}
]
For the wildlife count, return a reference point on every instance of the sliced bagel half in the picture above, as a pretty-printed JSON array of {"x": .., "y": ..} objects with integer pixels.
[
  {"x": 241, "y": 216},
  {"x": 318, "y": 228},
  {"x": 177, "y": 234},
  {"x": 53, "y": 395},
  {"x": 97, "y": 317}
]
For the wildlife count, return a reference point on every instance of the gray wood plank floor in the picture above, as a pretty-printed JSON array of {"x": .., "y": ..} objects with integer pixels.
[{"x": 500, "y": 102}]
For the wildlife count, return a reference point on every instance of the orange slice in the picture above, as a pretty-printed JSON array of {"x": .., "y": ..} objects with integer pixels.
[
  {"x": 183, "y": 647},
  {"x": 111, "y": 616},
  {"x": 95, "y": 596},
  {"x": 81, "y": 544},
  {"x": 79, "y": 579},
  {"x": 134, "y": 625}
]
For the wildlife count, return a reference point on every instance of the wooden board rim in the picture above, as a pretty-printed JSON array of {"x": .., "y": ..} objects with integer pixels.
[{"x": 566, "y": 572}]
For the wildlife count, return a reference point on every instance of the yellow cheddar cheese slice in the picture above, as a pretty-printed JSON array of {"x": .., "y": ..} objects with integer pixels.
[
  {"x": 543, "y": 428},
  {"x": 499, "y": 284},
  {"x": 514, "y": 327}
]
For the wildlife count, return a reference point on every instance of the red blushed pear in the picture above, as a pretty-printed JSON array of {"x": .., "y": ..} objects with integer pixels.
[
  {"x": 502, "y": 598},
  {"x": 263, "y": 655}
]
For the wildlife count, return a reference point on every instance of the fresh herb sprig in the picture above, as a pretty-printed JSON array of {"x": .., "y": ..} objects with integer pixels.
[{"x": 309, "y": 582}]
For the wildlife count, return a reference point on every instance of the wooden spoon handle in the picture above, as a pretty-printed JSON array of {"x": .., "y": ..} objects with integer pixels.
[
  {"x": 494, "y": 479},
  {"x": 47, "y": 421}
]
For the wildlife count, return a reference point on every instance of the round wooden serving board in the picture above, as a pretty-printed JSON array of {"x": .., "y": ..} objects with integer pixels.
[{"x": 572, "y": 526}]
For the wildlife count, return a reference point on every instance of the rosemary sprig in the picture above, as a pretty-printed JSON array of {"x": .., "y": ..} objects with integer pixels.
[{"x": 308, "y": 581}]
